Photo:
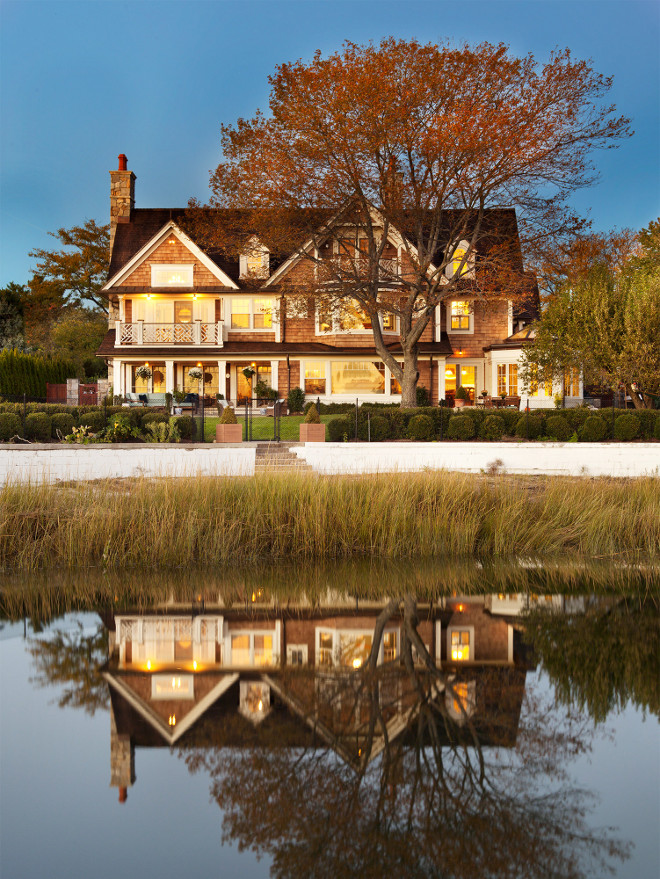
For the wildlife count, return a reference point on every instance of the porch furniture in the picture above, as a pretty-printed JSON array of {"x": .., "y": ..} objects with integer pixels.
[{"x": 133, "y": 400}]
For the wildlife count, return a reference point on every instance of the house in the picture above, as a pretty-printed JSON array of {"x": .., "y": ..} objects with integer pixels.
[
  {"x": 174, "y": 306},
  {"x": 258, "y": 675}
]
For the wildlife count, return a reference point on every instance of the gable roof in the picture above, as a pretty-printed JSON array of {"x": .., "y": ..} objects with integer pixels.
[
  {"x": 136, "y": 235},
  {"x": 170, "y": 228}
]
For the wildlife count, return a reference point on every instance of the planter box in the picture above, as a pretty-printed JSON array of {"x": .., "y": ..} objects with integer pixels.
[
  {"x": 458, "y": 404},
  {"x": 229, "y": 433},
  {"x": 312, "y": 433}
]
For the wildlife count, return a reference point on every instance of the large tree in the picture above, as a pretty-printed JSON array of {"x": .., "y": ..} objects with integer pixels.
[
  {"x": 81, "y": 267},
  {"x": 423, "y": 140},
  {"x": 604, "y": 319}
]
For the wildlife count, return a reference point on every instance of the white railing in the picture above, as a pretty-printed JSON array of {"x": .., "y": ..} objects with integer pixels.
[{"x": 195, "y": 333}]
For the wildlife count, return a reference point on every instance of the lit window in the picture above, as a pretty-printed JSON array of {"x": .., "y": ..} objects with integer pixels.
[
  {"x": 572, "y": 383},
  {"x": 263, "y": 314},
  {"x": 461, "y": 310},
  {"x": 358, "y": 377},
  {"x": 389, "y": 646},
  {"x": 501, "y": 379},
  {"x": 315, "y": 377},
  {"x": 460, "y": 645},
  {"x": 325, "y": 650},
  {"x": 172, "y": 686},
  {"x": 354, "y": 649},
  {"x": 255, "y": 260},
  {"x": 254, "y": 701},
  {"x": 172, "y": 275},
  {"x": 350, "y": 318},
  {"x": 513, "y": 379}
]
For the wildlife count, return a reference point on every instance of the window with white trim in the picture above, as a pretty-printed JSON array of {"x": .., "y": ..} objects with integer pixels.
[
  {"x": 460, "y": 644},
  {"x": 171, "y": 275},
  {"x": 254, "y": 262},
  {"x": 460, "y": 316},
  {"x": 461, "y": 261},
  {"x": 251, "y": 314},
  {"x": 315, "y": 377},
  {"x": 296, "y": 654},
  {"x": 350, "y": 318}
]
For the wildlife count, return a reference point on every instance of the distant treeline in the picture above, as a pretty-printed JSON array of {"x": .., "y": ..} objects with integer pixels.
[{"x": 29, "y": 373}]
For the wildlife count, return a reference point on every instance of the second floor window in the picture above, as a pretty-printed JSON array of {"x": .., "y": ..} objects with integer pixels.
[
  {"x": 171, "y": 275},
  {"x": 255, "y": 314},
  {"x": 351, "y": 318},
  {"x": 460, "y": 314}
]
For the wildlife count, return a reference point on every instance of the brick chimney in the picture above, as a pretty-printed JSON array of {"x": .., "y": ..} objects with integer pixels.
[{"x": 122, "y": 196}]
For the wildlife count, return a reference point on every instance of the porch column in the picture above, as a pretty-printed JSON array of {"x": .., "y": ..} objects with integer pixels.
[
  {"x": 442, "y": 365},
  {"x": 169, "y": 376},
  {"x": 222, "y": 377},
  {"x": 117, "y": 378},
  {"x": 274, "y": 373}
]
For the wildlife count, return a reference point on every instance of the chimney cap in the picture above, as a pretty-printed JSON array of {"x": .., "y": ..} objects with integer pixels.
[{"x": 123, "y": 162}]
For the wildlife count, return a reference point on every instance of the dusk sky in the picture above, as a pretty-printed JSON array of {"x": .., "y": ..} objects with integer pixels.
[{"x": 84, "y": 81}]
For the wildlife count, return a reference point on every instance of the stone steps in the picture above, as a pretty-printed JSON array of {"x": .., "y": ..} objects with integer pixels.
[{"x": 278, "y": 458}]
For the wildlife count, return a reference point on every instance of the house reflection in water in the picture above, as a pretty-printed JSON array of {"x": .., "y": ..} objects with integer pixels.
[{"x": 309, "y": 675}]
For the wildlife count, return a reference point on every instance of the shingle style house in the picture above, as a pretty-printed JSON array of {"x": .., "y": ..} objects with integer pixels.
[{"x": 175, "y": 305}]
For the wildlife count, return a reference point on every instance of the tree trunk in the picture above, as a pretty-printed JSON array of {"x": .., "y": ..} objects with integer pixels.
[{"x": 410, "y": 378}]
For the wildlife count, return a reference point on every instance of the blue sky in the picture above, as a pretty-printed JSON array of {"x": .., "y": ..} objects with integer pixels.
[{"x": 83, "y": 81}]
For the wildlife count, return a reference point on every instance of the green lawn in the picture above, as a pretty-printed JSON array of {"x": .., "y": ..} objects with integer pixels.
[{"x": 262, "y": 427}]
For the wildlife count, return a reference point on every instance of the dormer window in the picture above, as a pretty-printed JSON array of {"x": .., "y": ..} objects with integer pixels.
[
  {"x": 255, "y": 260},
  {"x": 172, "y": 275},
  {"x": 461, "y": 261}
]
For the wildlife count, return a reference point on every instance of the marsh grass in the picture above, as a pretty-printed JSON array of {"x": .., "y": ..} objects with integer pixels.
[{"x": 210, "y": 521}]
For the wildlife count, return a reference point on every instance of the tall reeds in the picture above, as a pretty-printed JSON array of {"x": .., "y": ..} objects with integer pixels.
[{"x": 170, "y": 522}]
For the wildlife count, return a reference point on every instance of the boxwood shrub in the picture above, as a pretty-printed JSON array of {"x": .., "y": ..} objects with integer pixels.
[
  {"x": 492, "y": 428},
  {"x": 154, "y": 418},
  {"x": 37, "y": 427},
  {"x": 593, "y": 430},
  {"x": 421, "y": 428},
  {"x": 185, "y": 425},
  {"x": 558, "y": 428},
  {"x": 380, "y": 428},
  {"x": 656, "y": 431},
  {"x": 461, "y": 427},
  {"x": 10, "y": 425},
  {"x": 95, "y": 421},
  {"x": 626, "y": 427},
  {"x": 62, "y": 422},
  {"x": 510, "y": 418},
  {"x": 533, "y": 423},
  {"x": 340, "y": 429}
]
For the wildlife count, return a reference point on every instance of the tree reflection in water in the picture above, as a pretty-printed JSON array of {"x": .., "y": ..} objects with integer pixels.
[{"x": 411, "y": 769}]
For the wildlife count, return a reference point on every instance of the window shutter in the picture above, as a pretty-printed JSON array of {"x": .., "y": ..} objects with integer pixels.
[
  {"x": 128, "y": 311},
  {"x": 218, "y": 310}
]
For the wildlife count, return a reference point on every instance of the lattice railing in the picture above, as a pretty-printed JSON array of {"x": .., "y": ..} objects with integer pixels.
[{"x": 195, "y": 333}]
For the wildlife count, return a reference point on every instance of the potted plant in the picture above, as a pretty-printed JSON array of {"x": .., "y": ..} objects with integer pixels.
[
  {"x": 312, "y": 430},
  {"x": 143, "y": 371},
  {"x": 195, "y": 373},
  {"x": 228, "y": 430},
  {"x": 461, "y": 397},
  {"x": 249, "y": 372}
]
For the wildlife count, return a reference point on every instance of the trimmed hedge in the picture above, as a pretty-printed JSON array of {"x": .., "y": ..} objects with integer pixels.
[
  {"x": 62, "y": 422},
  {"x": 95, "y": 421},
  {"x": 532, "y": 423},
  {"x": 340, "y": 429},
  {"x": 38, "y": 427},
  {"x": 593, "y": 430},
  {"x": 558, "y": 428},
  {"x": 154, "y": 418},
  {"x": 421, "y": 428},
  {"x": 380, "y": 428},
  {"x": 492, "y": 428},
  {"x": 10, "y": 426},
  {"x": 185, "y": 425},
  {"x": 626, "y": 427},
  {"x": 461, "y": 427}
]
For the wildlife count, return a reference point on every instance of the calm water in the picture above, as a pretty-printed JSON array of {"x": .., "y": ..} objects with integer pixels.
[{"x": 209, "y": 725}]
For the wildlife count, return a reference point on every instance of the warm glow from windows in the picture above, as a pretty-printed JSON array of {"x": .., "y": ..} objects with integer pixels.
[
  {"x": 460, "y": 315},
  {"x": 460, "y": 645},
  {"x": 358, "y": 377},
  {"x": 314, "y": 377},
  {"x": 171, "y": 275}
]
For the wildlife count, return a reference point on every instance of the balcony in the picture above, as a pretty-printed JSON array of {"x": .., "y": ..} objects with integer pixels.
[{"x": 195, "y": 333}]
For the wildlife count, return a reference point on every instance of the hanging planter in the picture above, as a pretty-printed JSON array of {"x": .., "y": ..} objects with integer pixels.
[
  {"x": 195, "y": 373},
  {"x": 143, "y": 371},
  {"x": 249, "y": 372}
]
